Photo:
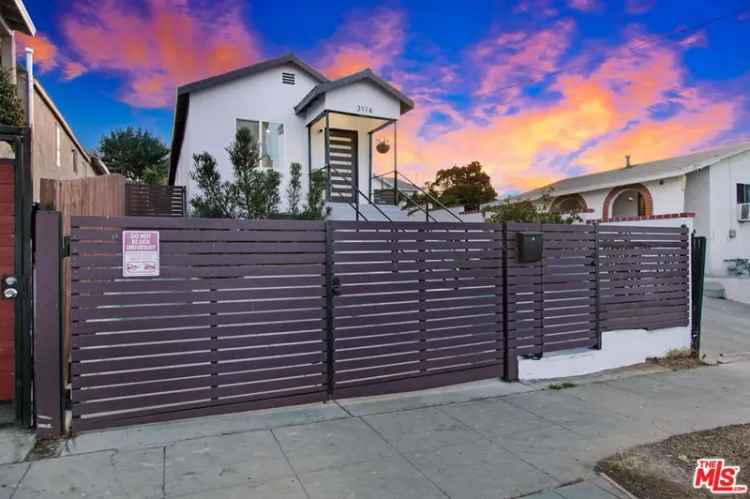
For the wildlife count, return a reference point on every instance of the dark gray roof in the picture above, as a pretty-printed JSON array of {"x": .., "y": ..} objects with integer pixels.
[
  {"x": 17, "y": 17},
  {"x": 365, "y": 75},
  {"x": 643, "y": 172},
  {"x": 183, "y": 96}
]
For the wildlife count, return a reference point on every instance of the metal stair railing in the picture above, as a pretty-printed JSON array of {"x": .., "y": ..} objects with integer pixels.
[{"x": 429, "y": 196}]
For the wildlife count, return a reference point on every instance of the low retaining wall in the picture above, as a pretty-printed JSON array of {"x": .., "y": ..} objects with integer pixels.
[{"x": 619, "y": 349}]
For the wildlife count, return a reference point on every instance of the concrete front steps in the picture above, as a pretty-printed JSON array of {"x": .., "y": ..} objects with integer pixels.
[{"x": 713, "y": 289}]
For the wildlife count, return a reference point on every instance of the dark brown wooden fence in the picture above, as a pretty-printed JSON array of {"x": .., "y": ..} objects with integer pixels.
[
  {"x": 235, "y": 320},
  {"x": 644, "y": 277},
  {"x": 251, "y": 314},
  {"x": 595, "y": 278},
  {"x": 142, "y": 200},
  {"x": 551, "y": 303},
  {"x": 415, "y": 305}
]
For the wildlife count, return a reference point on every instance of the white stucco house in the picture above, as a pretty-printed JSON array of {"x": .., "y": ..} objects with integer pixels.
[
  {"x": 711, "y": 186},
  {"x": 300, "y": 116}
]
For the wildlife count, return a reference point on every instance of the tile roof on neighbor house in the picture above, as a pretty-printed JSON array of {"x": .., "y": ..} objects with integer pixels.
[{"x": 638, "y": 173}]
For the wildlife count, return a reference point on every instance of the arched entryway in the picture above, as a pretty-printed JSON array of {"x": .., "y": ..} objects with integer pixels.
[{"x": 632, "y": 200}]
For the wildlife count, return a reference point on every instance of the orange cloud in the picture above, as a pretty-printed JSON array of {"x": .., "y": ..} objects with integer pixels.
[
  {"x": 45, "y": 52},
  {"x": 157, "y": 48},
  {"x": 373, "y": 44},
  {"x": 600, "y": 116}
]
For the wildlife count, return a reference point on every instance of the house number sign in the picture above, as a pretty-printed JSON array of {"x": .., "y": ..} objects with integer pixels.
[
  {"x": 364, "y": 109},
  {"x": 140, "y": 253}
]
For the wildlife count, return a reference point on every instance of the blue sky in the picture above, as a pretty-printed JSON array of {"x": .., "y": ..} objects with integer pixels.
[{"x": 534, "y": 89}]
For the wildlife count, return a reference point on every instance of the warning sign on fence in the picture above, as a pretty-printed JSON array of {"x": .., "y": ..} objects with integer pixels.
[{"x": 140, "y": 253}]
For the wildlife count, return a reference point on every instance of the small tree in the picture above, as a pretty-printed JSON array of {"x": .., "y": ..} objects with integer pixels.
[
  {"x": 135, "y": 153},
  {"x": 11, "y": 107},
  {"x": 256, "y": 190},
  {"x": 315, "y": 197},
  {"x": 294, "y": 189},
  {"x": 530, "y": 212},
  {"x": 218, "y": 199}
]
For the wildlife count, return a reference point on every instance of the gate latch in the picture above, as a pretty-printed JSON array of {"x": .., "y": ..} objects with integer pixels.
[
  {"x": 10, "y": 287},
  {"x": 336, "y": 286}
]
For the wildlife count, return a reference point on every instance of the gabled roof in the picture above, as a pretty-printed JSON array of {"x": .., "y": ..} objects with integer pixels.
[
  {"x": 184, "y": 91},
  {"x": 638, "y": 173},
  {"x": 17, "y": 17},
  {"x": 365, "y": 75},
  {"x": 251, "y": 70}
]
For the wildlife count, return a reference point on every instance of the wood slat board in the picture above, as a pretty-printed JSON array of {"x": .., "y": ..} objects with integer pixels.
[
  {"x": 234, "y": 322},
  {"x": 551, "y": 303},
  {"x": 155, "y": 200},
  {"x": 644, "y": 277},
  {"x": 417, "y": 305}
]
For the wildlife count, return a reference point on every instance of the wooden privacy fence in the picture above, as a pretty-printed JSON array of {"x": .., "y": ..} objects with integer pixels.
[
  {"x": 235, "y": 320},
  {"x": 144, "y": 200},
  {"x": 251, "y": 314},
  {"x": 415, "y": 305}
]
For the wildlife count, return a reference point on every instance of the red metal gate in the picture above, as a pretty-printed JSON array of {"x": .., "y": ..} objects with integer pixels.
[{"x": 7, "y": 267}]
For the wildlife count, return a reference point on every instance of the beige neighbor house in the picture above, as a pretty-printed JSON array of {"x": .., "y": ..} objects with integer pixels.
[
  {"x": 56, "y": 153},
  {"x": 712, "y": 186}
]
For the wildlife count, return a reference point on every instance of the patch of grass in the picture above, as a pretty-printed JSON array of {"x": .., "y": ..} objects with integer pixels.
[
  {"x": 664, "y": 470},
  {"x": 677, "y": 359},
  {"x": 562, "y": 386}
]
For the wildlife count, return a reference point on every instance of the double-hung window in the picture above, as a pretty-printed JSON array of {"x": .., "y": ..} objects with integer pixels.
[{"x": 270, "y": 139}]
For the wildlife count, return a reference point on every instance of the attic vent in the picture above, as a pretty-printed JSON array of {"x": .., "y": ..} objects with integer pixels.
[{"x": 287, "y": 78}]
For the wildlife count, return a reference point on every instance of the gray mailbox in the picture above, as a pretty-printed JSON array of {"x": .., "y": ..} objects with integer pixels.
[{"x": 530, "y": 246}]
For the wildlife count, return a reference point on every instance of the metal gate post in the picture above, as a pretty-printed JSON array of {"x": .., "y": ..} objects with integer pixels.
[
  {"x": 48, "y": 383},
  {"x": 329, "y": 358},
  {"x": 697, "y": 272}
]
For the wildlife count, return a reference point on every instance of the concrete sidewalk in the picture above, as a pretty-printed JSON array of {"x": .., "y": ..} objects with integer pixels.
[{"x": 484, "y": 440}]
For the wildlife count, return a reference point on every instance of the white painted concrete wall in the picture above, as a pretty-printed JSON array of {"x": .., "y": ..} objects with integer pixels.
[
  {"x": 724, "y": 177},
  {"x": 619, "y": 349},
  {"x": 363, "y": 97}
]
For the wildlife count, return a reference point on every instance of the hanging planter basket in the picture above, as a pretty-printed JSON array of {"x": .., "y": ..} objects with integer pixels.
[{"x": 383, "y": 147}]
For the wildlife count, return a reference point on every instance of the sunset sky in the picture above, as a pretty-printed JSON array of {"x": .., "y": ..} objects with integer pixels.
[{"x": 534, "y": 89}]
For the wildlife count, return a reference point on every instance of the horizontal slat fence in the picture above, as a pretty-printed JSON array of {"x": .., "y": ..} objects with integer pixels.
[
  {"x": 145, "y": 200},
  {"x": 235, "y": 320},
  {"x": 551, "y": 303},
  {"x": 644, "y": 274},
  {"x": 416, "y": 305},
  {"x": 594, "y": 278}
]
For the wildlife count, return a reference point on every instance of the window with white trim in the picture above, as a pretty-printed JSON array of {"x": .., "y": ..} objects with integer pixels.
[{"x": 270, "y": 138}]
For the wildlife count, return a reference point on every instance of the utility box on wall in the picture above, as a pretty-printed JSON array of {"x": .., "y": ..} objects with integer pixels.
[{"x": 530, "y": 246}]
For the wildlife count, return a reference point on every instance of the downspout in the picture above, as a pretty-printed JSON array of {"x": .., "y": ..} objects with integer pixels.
[{"x": 30, "y": 86}]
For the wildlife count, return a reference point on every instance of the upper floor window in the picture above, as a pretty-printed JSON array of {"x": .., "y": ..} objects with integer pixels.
[
  {"x": 270, "y": 139},
  {"x": 75, "y": 160},
  {"x": 743, "y": 193}
]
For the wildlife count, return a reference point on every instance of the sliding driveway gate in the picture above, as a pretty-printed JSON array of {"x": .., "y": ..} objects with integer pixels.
[{"x": 255, "y": 314}]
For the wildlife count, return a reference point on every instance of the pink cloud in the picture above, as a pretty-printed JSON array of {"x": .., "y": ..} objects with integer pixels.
[
  {"x": 46, "y": 54},
  {"x": 157, "y": 48},
  {"x": 602, "y": 115},
  {"x": 584, "y": 5},
  {"x": 636, "y": 7},
  {"x": 366, "y": 40}
]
